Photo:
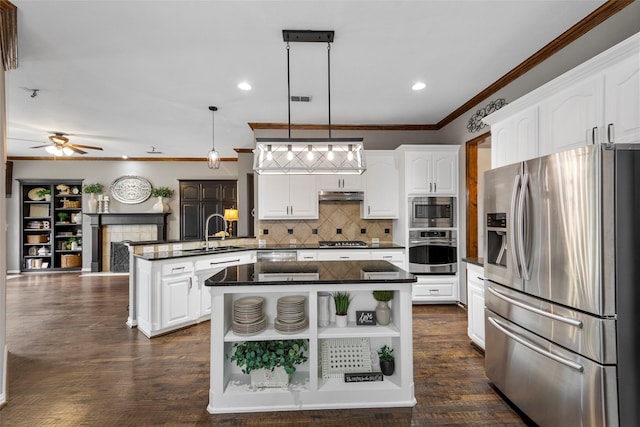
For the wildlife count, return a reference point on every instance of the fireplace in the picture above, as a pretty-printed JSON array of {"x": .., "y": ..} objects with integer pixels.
[{"x": 100, "y": 221}]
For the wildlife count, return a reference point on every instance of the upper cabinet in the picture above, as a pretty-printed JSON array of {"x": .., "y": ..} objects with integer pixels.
[
  {"x": 381, "y": 184},
  {"x": 287, "y": 197},
  {"x": 596, "y": 102},
  {"x": 341, "y": 182},
  {"x": 431, "y": 170}
]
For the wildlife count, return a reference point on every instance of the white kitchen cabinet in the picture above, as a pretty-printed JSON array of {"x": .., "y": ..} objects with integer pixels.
[
  {"x": 573, "y": 117},
  {"x": 344, "y": 254},
  {"x": 287, "y": 197},
  {"x": 180, "y": 302},
  {"x": 515, "y": 139},
  {"x": 475, "y": 304},
  {"x": 230, "y": 390},
  {"x": 341, "y": 182},
  {"x": 432, "y": 170},
  {"x": 622, "y": 102},
  {"x": 307, "y": 255},
  {"x": 394, "y": 256},
  {"x": 435, "y": 289},
  {"x": 381, "y": 184}
]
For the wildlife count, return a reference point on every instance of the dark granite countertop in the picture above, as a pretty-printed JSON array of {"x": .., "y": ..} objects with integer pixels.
[
  {"x": 310, "y": 273},
  {"x": 161, "y": 255}
]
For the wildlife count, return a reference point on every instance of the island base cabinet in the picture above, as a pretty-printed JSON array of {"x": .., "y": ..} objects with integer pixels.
[{"x": 231, "y": 392}]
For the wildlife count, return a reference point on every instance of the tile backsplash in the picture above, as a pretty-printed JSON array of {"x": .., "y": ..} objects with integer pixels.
[{"x": 337, "y": 221}]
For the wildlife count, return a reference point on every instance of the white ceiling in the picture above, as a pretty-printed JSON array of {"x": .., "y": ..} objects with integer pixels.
[{"x": 129, "y": 75}]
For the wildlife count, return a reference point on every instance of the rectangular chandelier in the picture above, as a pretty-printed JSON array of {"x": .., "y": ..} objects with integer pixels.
[{"x": 309, "y": 156}]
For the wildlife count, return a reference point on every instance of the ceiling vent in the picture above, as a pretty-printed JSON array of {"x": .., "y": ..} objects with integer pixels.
[{"x": 295, "y": 98}]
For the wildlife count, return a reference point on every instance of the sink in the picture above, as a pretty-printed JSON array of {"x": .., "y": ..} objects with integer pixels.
[{"x": 211, "y": 250}]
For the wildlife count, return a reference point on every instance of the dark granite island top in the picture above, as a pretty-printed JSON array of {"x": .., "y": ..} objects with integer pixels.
[{"x": 310, "y": 273}]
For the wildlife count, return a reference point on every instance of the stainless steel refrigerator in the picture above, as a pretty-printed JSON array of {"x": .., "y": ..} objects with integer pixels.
[{"x": 562, "y": 289}]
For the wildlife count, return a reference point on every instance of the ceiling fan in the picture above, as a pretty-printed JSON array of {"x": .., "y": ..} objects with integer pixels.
[{"x": 60, "y": 146}]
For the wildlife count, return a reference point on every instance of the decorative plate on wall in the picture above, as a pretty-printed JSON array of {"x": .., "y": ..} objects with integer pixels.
[{"x": 131, "y": 189}]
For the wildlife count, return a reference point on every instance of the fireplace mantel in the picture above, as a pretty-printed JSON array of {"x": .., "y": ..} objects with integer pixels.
[{"x": 99, "y": 220}]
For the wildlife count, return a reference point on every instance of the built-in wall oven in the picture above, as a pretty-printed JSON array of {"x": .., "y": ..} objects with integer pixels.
[
  {"x": 429, "y": 212},
  {"x": 433, "y": 252}
]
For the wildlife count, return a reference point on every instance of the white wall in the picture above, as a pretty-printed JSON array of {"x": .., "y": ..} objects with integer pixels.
[
  {"x": 105, "y": 172},
  {"x": 3, "y": 249}
]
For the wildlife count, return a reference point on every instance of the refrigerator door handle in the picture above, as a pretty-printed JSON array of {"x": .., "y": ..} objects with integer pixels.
[
  {"x": 569, "y": 363},
  {"x": 524, "y": 266},
  {"x": 567, "y": 320},
  {"x": 512, "y": 225}
]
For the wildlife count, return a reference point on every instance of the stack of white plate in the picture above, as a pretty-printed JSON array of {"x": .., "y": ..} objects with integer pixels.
[
  {"x": 292, "y": 317},
  {"x": 248, "y": 316}
]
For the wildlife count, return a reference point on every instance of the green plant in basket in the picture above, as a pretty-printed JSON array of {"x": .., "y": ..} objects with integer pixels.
[
  {"x": 62, "y": 216},
  {"x": 384, "y": 296},
  {"x": 161, "y": 192},
  {"x": 43, "y": 192},
  {"x": 342, "y": 301},
  {"x": 95, "y": 188},
  {"x": 251, "y": 355}
]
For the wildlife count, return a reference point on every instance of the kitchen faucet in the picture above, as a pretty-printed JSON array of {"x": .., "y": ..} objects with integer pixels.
[{"x": 206, "y": 229}]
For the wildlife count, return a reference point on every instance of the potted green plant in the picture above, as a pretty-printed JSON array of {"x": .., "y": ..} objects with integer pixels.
[
  {"x": 270, "y": 363},
  {"x": 341, "y": 301},
  {"x": 383, "y": 311},
  {"x": 92, "y": 190},
  {"x": 387, "y": 360},
  {"x": 63, "y": 216},
  {"x": 44, "y": 193},
  {"x": 161, "y": 193}
]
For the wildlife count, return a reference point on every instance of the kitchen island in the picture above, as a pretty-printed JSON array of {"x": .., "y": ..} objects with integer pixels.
[{"x": 316, "y": 384}]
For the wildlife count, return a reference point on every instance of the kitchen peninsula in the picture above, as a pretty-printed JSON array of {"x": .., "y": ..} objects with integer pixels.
[{"x": 316, "y": 384}]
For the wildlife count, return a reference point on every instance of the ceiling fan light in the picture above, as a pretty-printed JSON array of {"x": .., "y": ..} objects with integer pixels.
[
  {"x": 58, "y": 139},
  {"x": 66, "y": 151},
  {"x": 52, "y": 149}
]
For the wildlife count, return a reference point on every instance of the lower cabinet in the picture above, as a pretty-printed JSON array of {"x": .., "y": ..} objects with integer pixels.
[
  {"x": 436, "y": 289},
  {"x": 475, "y": 304},
  {"x": 317, "y": 383},
  {"x": 170, "y": 293}
]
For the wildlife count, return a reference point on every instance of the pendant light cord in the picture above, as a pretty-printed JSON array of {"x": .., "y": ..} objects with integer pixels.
[
  {"x": 289, "y": 90},
  {"x": 329, "y": 82},
  {"x": 213, "y": 127}
]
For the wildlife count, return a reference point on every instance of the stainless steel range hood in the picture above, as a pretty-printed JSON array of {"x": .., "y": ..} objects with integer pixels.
[{"x": 341, "y": 196}]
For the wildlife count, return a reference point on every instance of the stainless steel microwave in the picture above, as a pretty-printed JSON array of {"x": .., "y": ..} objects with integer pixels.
[{"x": 430, "y": 212}]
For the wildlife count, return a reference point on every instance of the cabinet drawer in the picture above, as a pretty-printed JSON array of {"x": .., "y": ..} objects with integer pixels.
[
  {"x": 435, "y": 290},
  {"x": 177, "y": 268},
  {"x": 391, "y": 256},
  {"x": 307, "y": 255}
]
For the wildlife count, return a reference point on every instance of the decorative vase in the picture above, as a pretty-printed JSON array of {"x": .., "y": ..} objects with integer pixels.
[
  {"x": 77, "y": 218},
  {"x": 387, "y": 367},
  {"x": 92, "y": 204},
  {"x": 268, "y": 378},
  {"x": 161, "y": 206},
  {"x": 383, "y": 313},
  {"x": 341, "y": 320},
  {"x": 47, "y": 197},
  {"x": 323, "y": 309}
]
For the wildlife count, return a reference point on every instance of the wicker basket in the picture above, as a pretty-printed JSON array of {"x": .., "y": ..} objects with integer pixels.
[
  {"x": 342, "y": 355},
  {"x": 38, "y": 238},
  {"x": 68, "y": 261},
  {"x": 70, "y": 203}
]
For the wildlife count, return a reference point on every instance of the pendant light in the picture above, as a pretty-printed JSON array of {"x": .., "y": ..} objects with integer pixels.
[
  {"x": 213, "y": 157},
  {"x": 309, "y": 155}
]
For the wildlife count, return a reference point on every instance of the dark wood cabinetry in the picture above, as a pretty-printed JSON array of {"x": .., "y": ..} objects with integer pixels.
[
  {"x": 51, "y": 225},
  {"x": 201, "y": 198}
]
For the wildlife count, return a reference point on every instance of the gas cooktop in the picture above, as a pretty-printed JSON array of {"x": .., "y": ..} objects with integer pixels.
[{"x": 342, "y": 243}]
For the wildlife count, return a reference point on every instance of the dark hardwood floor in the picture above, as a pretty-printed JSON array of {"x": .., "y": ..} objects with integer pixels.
[{"x": 73, "y": 361}]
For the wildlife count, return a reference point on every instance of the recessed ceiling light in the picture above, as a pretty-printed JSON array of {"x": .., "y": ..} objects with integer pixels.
[
  {"x": 244, "y": 86},
  {"x": 125, "y": 157},
  {"x": 418, "y": 86}
]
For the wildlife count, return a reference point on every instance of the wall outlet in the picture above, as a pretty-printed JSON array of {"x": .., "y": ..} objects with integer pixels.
[
  {"x": 163, "y": 248},
  {"x": 147, "y": 249},
  {"x": 375, "y": 240},
  {"x": 177, "y": 247},
  {"x": 262, "y": 243},
  {"x": 292, "y": 241}
]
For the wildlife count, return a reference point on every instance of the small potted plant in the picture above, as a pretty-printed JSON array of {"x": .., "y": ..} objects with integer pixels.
[
  {"x": 270, "y": 363},
  {"x": 383, "y": 312},
  {"x": 63, "y": 216},
  {"x": 161, "y": 193},
  {"x": 341, "y": 301},
  {"x": 44, "y": 193},
  {"x": 387, "y": 361},
  {"x": 92, "y": 190}
]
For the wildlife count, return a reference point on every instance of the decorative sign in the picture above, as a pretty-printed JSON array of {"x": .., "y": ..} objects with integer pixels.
[
  {"x": 476, "y": 123},
  {"x": 131, "y": 189},
  {"x": 361, "y": 377},
  {"x": 365, "y": 318}
]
